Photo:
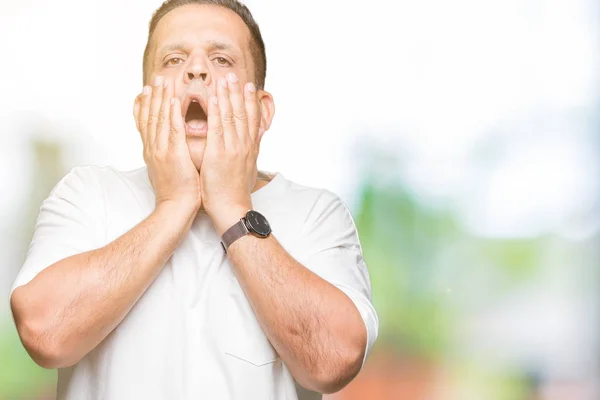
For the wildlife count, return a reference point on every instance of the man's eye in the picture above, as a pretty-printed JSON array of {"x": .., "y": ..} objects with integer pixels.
[
  {"x": 174, "y": 61},
  {"x": 222, "y": 61}
]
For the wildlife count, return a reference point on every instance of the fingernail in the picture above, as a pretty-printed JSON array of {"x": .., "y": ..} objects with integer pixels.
[
  {"x": 146, "y": 89},
  {"x": 223, "y": 82},
  {"x": 172, "y": 101},
  {"x": 214, "y": 99},
  {"x": 232, "y": 77},
  {"x": 166, "y": 84},
  {"x": 158, "y": 80},
  {"x": 250, "y": 87}
]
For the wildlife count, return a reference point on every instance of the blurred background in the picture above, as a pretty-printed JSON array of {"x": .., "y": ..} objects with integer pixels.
[{"x": 464, "y": 136}]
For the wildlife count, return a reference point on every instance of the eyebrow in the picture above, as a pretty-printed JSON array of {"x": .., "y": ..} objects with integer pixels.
[{"x": 214, "y": 44}]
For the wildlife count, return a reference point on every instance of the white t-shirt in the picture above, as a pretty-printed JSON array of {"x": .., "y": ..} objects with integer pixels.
[{"x": 193, "y": 334}]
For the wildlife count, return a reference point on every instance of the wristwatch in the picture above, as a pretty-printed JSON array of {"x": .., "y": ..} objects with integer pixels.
[{"x": 253, "y": 222}]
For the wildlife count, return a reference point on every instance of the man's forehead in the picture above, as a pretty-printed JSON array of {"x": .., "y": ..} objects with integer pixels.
[{"x": 212, "y": 25}]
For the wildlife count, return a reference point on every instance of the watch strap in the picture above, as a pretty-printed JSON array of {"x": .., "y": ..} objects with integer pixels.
[{"x": 232, "y": 234}]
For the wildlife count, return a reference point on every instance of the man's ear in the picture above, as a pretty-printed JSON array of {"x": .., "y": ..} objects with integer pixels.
[{"x": 267, "y": 109}]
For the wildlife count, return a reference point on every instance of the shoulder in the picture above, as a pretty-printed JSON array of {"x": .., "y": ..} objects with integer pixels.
[
  {"x": 319, "y": 205},
  {"x": 79, "y": 181},
  {"x": 315, "y": 196},
  {"x": 102, "y": 176},
  {"x": 91, "y": 181}
]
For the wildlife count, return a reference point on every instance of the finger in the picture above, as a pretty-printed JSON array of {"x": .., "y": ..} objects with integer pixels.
[
  {"x": 227, "y": 120},
  {"x": 261, "y": 132},
  {"x": 136, "y": 110},
  {"x": 163, "y": 124},
  {"x": 215, "y": 126},
  {"x": 143, "y": 115},
  {"x": 154, "y": 109},
  {"x": 253, "y": 110},
  {"x": 236, "y": 98},
  {"x": 177, "y": 130}
]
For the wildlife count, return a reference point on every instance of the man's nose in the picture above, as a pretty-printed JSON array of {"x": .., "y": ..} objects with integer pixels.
[
  {"x": 197, "y": 70},
  {"x": 196, "y": 75}
]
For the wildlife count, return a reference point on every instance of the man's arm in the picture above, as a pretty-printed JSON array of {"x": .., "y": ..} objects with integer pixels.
[
  {"x": 72, "y": 305},
  {"x": 314, "y": 326}
]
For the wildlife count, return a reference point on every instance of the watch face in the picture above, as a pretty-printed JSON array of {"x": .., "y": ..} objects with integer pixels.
[{"x": 257, "y": 223}]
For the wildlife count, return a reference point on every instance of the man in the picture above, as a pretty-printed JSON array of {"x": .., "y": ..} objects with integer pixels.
[{"x": 197, "y": 276}]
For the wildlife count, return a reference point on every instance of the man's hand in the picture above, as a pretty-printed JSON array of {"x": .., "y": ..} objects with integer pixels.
[
  {"x": 229, "y": 171},
  {"x": 103, "y": 284},
  {"x": 170, "y": 168}
]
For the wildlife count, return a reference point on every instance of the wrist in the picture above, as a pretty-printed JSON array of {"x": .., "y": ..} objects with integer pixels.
[
  {"x": 183, "y": 211},
  {"x": 225, "y": 217},
  {"x": 187, "y": 204}
]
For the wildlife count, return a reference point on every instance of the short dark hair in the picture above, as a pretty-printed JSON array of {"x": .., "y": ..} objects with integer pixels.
[{"x": 257, "y": 46}]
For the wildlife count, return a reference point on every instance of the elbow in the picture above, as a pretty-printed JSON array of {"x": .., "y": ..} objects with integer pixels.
[
  {"x": 38, "y": 339},
  {"x": 335, "y": 376},
  {"x": 44, "y": 351},
  {"x": 340, "y": 365},
  {"x": 45, "y": 359},
  {"x": 51, "y": 355}
]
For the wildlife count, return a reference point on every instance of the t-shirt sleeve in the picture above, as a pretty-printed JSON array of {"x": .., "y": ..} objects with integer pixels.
[
  {"x": 68, "y": 223},
  {"x": 330, "y": 247}
]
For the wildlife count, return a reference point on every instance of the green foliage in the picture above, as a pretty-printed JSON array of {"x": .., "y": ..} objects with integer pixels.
[
  {"x": 519, "y": 258},
  {"x": 400, "y": 239},
  {"x": 416, "y": 253},
  {"x": 490, "y": 383}
]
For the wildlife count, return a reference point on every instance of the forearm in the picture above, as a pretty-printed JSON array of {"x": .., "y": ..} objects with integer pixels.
[
  {"x": 72, "y": 305},
  {"x": 313, "y": 325}
]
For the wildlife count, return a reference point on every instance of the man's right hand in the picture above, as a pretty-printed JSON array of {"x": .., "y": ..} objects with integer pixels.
[
  {"x": 160, "y": 122},
  {"x": 102, "y": 285}
]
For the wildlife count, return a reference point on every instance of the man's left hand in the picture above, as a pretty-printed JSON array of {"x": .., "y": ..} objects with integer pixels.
[{"x": 228, "y": 171}]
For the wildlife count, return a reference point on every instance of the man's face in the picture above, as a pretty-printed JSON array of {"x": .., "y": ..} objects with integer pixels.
[{"x": 194, "y": 46}]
